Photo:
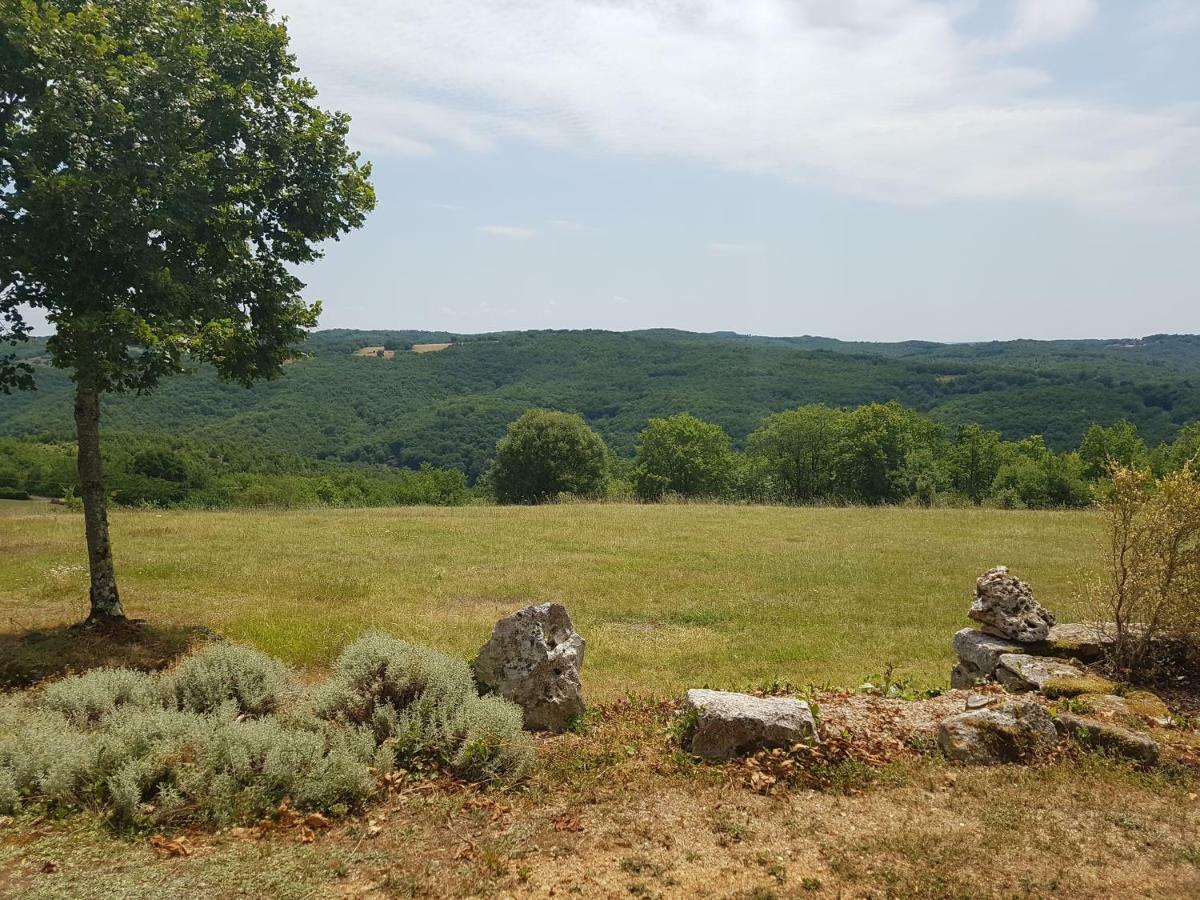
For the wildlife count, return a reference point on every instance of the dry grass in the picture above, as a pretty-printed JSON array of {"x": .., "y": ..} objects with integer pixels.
[
  {"x": 667, "y": 597},
  {"x": 617, "y": 812},
  {"x": 429, "y": 348}
]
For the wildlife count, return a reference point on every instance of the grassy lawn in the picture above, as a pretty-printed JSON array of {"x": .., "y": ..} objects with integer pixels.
[{"x": 667, "y": 596}]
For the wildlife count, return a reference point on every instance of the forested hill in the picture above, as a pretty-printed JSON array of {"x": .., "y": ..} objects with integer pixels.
[{"x": 449, "y": 407}]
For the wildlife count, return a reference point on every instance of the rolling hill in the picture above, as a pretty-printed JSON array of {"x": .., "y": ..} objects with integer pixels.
[{"x": 449, "y": 407}]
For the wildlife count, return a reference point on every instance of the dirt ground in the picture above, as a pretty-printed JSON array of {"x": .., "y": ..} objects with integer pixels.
[{"x": 618, "y": 811}]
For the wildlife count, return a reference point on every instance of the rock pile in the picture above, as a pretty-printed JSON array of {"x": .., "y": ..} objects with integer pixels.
[
  {"x": 1021, "y": 646},
  {"x": 534, "y": 659}
]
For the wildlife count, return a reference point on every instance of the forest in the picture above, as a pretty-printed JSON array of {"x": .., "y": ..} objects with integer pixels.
[{"x": 447, "y": 409}]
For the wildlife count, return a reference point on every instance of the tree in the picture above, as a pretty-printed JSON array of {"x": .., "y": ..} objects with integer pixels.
[
  {"x": 1120, "y": 444},
  {"x": 875, "y": 443},
  {"x": 974, "y": 459},
  {"x": 682, "y": 455},
  {"x": 545, "y": 454},
  {"x": 162, "y": 168},
  {"x": 798, "y": 449}
]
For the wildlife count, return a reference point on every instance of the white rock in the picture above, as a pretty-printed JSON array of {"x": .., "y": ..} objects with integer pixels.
[
  {"x": 726, "y": 724},
  {"x": 534, "y": 659},
  {"x": 1006, "y": 608}
]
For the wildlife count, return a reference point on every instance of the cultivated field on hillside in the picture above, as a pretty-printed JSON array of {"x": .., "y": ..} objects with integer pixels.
[{"x": 667, "y": 596}]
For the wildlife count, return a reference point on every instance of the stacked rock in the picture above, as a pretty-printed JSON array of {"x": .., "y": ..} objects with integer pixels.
[{"x": 1020, "y": 644}]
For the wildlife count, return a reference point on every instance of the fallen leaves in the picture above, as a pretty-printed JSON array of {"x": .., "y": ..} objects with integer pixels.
[{"x": 171, "y": 847}]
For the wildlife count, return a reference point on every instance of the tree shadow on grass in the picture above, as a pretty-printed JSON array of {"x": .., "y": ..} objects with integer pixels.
[{"x": 29, "y": 657}]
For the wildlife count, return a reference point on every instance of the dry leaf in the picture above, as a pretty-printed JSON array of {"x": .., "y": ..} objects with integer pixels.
[
  {"x": 178, "y": 847},
  {"x": 316, "y": 821}
]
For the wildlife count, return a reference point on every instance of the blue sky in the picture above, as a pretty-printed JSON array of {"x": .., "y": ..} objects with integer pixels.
[{"x": 863, "y": 169}]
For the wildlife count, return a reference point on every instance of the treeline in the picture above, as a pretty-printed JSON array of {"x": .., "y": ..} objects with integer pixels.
[
  {"x": 170, "y": 472},
  {"x": 879, "y": 453},
  {"x": 874, "y": 454}
]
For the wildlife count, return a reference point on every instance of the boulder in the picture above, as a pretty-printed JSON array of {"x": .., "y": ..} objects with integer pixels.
[
  {"x": 1005, "y": 607},
  {"x": 1130, "y": 708},
  {"x": 1052, "y": 677},
  {"x": 982, "y": 651},
  {"x": 721, "y": 725},
  {"x": 1106, "y": 736},
  {"x": 1003, "y": 732},
  {"x": 534, "y": 659}
]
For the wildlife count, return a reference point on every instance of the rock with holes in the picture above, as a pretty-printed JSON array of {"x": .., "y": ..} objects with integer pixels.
[
  {"x": 721, "y": 725},
  {"x": 1001, "y": 732},
  {"x": 534, "y": 659},
  {"x": 1108, "y": 737},
  {"x": 1005, "y": 606}
]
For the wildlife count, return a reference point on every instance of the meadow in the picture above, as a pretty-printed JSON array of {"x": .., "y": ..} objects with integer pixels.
[{"x": 667, "y": 596}]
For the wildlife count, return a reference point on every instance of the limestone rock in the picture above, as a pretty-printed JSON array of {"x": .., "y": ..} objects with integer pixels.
[
  {"x": 1131, "y": 708},
  {"x": 1022, "y": 672},
  {"x": 1108, "y": 737},
  {"x": 534, "y": 659},
  {"x": 982, "y": 651},
  {"x": 1085, "y": 641},
  {"x": 723, "y": 725},
  {"x": 965, "y": 675},
  {"x": 1006, "y": 608},
  {"x": 1008, "y": 731}
]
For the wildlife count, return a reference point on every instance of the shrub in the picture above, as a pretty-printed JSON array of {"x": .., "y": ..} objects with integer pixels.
[
  {"x": 424, "y": 705},
  {"x": 86, "y": 699},
  {"x": 258, "y": 684},
  {"x": 1152, "y": 587},
  {"x": 228, "y": 735}
]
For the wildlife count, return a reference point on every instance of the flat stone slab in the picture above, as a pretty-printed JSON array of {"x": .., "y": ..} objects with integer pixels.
[
  {"x": 983, "y": 651},
  {"x": 1052, "y": 677},
  {"x": 1106, "y": 736},
  {"x": 1009, "y": 731},
  {"x": 725, "y": 725},
  {"x": 1085, "y": 641}
]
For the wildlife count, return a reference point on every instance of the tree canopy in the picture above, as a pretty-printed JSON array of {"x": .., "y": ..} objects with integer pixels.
[{"x": 163, "y": 166}]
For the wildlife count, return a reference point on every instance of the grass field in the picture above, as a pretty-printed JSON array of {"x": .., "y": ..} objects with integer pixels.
[{"x": 666, "y": 596}]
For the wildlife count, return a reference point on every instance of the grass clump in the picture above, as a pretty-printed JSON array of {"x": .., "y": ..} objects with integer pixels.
[{"x": 229, "y": 735}]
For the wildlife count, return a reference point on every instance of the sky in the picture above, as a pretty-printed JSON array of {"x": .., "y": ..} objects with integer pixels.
[{"x": 861, "y": 169}]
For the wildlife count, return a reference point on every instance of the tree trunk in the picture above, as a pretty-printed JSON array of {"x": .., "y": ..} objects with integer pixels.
[{"x": 106, "y": 603}]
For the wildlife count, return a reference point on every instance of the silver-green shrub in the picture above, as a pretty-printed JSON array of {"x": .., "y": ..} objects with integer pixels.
[
  {"x": 229, "y": 735},
  {"x": 86, "y": 699},
  {"x": 424, "y": 704},
  {"x": 259, "y": 684}
]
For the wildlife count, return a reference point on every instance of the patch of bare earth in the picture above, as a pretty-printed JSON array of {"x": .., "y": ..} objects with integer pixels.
[{"x": 618, "y": 811}]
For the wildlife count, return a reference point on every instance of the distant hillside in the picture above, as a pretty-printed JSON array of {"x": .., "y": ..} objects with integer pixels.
[{"x": 449, "y": 407}]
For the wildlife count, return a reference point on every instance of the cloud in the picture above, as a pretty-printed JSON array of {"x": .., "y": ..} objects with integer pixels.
[
  {"x": 508, "y": 231},
  {"x": 892, "y": 99}
]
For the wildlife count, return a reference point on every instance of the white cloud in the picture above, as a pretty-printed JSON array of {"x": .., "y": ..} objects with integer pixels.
[
  {"x": 892, "y": 99},
  {"x": 508, "y": 231}
]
